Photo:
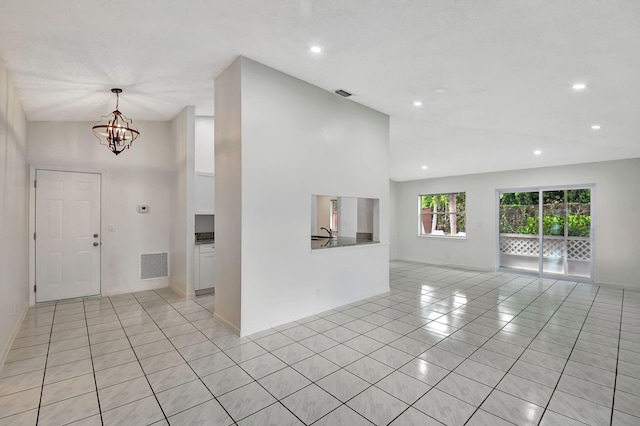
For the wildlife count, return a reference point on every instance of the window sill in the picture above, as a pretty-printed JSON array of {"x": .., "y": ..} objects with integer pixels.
[{"x": 446, "y": 237}]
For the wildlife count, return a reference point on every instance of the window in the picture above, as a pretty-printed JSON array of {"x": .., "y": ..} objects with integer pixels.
[{"x": 443, "y": 214}]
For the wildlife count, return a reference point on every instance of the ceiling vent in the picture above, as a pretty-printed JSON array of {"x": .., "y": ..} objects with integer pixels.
[{"x": 342, "y": 93}]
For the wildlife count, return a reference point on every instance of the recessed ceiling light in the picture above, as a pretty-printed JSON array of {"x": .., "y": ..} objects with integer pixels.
[
  {"x": 440, "y": 90},
  {"x": 424, "y": 167},
  {"x": 537, "y": 152},
  {"x": 596, "y": 127},
  {"x": 579, "y": 86},
  {"x": 417, "y": 103},
  {"x": 316, "y": 49}
]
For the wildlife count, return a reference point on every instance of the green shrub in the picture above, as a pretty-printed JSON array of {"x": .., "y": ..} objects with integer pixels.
[{"x": 579, "y": 226}]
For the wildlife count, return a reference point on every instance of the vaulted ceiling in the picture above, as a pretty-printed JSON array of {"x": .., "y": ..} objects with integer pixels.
[{"x": 494, "y": 76}]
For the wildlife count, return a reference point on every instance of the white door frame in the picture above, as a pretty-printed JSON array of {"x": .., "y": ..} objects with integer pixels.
[{"x": 32, "y": 218}]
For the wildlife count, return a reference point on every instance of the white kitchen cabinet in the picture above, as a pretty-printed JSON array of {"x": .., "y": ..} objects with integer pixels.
[
  {"x": 206, "y": 266},
  {"x": 205, "y": 199}
]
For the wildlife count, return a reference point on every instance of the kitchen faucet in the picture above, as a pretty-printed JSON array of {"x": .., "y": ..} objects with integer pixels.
[{"x": 329, "y": 231}]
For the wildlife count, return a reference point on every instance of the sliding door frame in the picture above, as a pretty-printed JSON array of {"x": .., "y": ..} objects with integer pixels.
[{"x": 540, "y": 190}]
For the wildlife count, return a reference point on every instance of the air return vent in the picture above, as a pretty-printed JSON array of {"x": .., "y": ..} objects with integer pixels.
[
  {"x": 154, "y": 265},
  {"x": 342, "y": 93}
]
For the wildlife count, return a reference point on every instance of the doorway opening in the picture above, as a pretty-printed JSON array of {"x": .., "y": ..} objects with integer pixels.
[{"x": 548, "y": 231}]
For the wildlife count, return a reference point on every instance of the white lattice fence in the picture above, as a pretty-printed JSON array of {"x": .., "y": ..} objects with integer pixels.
[
  {"x": 579, "y": 248},
  {"x": 523, "y": 246},
  {"x": 552, "y": 247}
]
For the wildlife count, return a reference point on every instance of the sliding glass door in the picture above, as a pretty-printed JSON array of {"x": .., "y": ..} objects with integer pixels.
[{"x": 547, "y": 231}]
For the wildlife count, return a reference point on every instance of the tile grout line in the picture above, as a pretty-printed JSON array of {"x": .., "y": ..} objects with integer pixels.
[
  {"x": 447, "y": 336},
  {"x": 583, "y": 323},
  {"x": 137, "y": 359},
  {"x": 237, "y": 364},
  {"x": 525, "y": 349},
  {"x": 403, "y": 292},
  {"x": 460, "y": 328},
  {"x": 546, "y": 407},
  {"x": 74, "y": 300},
  {"x": 417, "y": 356},
  {"x": 615, "y": 377},
  {"x": 278, "y": 400},
  {"x": 93, "y": 370},
  {"x": 498, "y": 331},
  {"x": 186, "y": 362},
  {"x": 44, "y": 372},
  {"x": 367, "y": 355},
  {"x": 434, "y": 345}
]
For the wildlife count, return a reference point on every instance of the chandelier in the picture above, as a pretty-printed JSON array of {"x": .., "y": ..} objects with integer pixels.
[{"x": 115, "y": 130}]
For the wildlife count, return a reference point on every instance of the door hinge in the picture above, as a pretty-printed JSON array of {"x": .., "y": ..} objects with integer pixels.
[
  {"x": 34, "y": 288},
  {"x": 35, "y": 183}
]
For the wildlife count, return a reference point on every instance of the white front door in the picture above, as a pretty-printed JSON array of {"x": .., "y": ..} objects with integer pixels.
[{"x": 67, "y": 235}]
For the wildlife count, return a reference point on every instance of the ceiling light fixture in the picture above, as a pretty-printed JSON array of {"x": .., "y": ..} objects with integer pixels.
[
  {"x": 417, "y": 103},
  {"x": 316, "y": 49},
  {"x": 596, "y": 127},
  {"x": 424, "y": 167},
  {"x": 579, "y": 86},
  {"x": 537, "y": 152},
  {"x": 115, "y": 130}
]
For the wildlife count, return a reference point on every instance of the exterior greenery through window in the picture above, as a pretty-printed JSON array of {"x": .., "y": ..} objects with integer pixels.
[
  {"x": 443, "y": 214},
  {"x": 519, "y": 212}
]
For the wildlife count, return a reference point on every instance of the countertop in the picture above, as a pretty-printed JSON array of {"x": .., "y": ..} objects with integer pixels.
[{"x": 323, "y": 243}]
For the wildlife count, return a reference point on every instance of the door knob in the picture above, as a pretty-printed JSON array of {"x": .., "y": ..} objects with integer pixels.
[
  {"x": 96, "y": 244},
  {"x": 95, "y": 235}
]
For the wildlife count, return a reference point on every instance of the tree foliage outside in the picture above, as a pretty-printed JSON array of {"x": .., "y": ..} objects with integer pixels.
[
  {"x": 443, "y": 212},
  {"x": 519, "y": 212}
]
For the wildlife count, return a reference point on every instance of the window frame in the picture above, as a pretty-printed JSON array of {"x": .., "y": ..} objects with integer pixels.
[{"x": 458, "y": 213}]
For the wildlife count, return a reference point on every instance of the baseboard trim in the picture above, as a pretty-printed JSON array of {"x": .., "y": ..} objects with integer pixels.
[
  {"x": 448, "y": 265},
  {"x": 178, "y": 291},
  {"x": 132, "y": 290},
  {"x": 16, "y": 328},
  {"x": 226, "y": 323}
]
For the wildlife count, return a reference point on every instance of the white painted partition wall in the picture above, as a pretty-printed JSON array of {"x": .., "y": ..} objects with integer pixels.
[
  {"x": 228, "y": 190},
  {"x": 182, "y": 211},
  {"x": 14, "y": 217},
  {"x": 615, "y": 204},
  {"x": 280, "y": 140}
]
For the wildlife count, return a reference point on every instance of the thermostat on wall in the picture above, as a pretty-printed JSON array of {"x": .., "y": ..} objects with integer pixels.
[{"x": 143, "y": 209}]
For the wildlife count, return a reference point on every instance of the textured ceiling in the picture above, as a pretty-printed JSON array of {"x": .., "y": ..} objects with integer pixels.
[{"x": 507, "y": 67}]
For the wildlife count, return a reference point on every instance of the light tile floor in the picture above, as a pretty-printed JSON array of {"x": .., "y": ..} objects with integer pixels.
[{"x": 444, "y": 346}]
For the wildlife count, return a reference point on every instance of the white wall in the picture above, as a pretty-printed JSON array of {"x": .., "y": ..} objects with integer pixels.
[
  {"x": 615, "y": 202},
  {"x": 228, "y": 190},
  {"x": 347, "y": 216},
  {"x": 182, "y": 189},
  {"x": 204, "y": 136},
  {"x": 143, "y": 174},
  {"x": 14, "y": 217},
  {"x": 365, "y": 214},
  {"x": 286, "y": 126},
  {"x": 393, "y": 221}
]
